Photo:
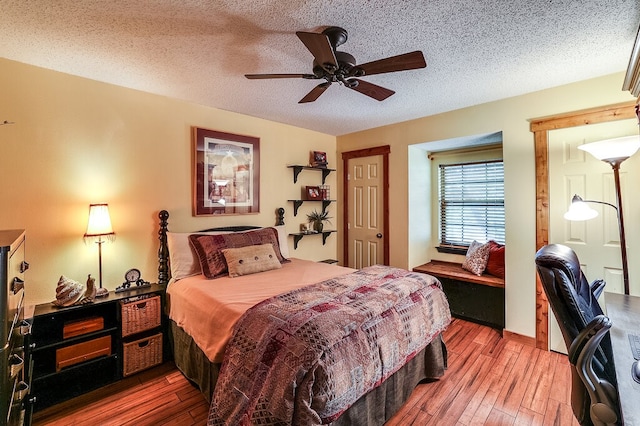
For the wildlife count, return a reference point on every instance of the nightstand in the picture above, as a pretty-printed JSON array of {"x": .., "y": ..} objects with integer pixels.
[{"x": 82, "y": 348}]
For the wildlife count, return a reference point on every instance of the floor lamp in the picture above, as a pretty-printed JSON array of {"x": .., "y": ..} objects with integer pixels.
[
  {"x": 613, "y": 152},
  {"x": 99, "y": 230}
]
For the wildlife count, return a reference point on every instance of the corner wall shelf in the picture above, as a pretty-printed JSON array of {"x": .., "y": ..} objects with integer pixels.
[
  {"x": 297, "y": 169},
  {"x": 299, "y": 235}
]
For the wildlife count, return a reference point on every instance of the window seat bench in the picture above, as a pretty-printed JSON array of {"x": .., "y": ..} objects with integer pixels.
[{"x": 471, "y": 297}]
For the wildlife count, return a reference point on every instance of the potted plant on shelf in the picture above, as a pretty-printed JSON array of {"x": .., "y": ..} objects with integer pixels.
[{"x": 318, "y": 219}]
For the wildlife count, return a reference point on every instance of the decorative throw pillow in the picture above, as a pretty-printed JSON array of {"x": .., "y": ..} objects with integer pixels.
[
  {"x": 183, "y": 260},
  {"x": 251, "y": 259},
  {"x": 495, "y": 264},
  {"x": 477, "y": 257},
  {"x": 209, "y": 248}
]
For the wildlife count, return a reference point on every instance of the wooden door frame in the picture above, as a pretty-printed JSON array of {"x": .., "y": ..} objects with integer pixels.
[
  {"x": 540, "y": 128},
  {"x": 367, "y": 152}
]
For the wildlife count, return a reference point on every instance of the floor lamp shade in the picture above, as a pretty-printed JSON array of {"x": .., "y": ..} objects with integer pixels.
[
  {"x": 613, "y": 149},
  {"x": 579, "y": 210}
]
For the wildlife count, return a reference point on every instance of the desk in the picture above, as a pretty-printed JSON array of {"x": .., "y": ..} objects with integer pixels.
[{"x": 624, "y": 312}]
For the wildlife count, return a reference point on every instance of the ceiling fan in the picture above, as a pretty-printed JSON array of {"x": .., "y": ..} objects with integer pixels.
[{"x": 340, "y": 67}]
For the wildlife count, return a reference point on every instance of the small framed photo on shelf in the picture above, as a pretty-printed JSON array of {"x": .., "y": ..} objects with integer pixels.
[
  {"x": 313, "y": 193},
  {"x": 318, "y": 159},
  {"x": 304, "y": 228}
]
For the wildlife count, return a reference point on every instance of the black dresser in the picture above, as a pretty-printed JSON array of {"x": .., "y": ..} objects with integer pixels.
[{"x": 15, "y": 359}]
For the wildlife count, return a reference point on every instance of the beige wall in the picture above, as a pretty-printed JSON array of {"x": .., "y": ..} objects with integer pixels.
[
  {"x": 77, "y": 141},
  {"x": 510, "y": 116}
]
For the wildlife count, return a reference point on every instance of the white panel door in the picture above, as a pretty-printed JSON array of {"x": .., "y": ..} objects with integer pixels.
[
  {"x": 573, "y": 171},
  {"x": 366, "y": 210}
]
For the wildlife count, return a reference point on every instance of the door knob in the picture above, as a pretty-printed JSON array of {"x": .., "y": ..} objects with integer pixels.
[{"x": 378, "y": 235}]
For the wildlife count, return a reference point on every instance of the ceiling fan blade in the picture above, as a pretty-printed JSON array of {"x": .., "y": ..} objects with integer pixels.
[
  {"x": 315, "y": 93},
  {"x": 320, "y": 47},
  {"x": 262, "y": 76},
  {"x": 406, "y": 61},
  {"x": 374, "y": 91}
]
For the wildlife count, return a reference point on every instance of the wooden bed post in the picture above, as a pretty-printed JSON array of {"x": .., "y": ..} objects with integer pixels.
[
  {"x": 163, "y": 251},
  {"x": 279, "y": 216}
]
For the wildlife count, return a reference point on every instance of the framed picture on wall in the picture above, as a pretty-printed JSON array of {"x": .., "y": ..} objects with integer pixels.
[
  {"x": 313, "y": 193},
  {"x": 318, "y": 159},
  {"x": 226, "y": 173}
]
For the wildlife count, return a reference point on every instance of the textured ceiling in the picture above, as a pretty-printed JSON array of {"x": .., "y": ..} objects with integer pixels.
[{"x": 198, "y": 50}]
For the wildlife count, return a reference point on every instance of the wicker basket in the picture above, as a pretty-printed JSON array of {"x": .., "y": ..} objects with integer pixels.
[
  {"x": 141, "y": 354},
  {"x": 140, "y": 315}
]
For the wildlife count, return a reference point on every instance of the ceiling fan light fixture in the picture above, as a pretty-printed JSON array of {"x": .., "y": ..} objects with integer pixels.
[
  {"x": 357, "y": 72},
  {"x": 351, "y": 83},
  {"x": 329, "y": 67}
]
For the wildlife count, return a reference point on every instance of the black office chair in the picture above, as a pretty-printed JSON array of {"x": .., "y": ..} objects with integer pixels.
[{"x": 584, "y": 327}]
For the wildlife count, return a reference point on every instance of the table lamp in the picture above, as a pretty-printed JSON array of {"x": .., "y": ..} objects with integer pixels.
[{"x": 99, "y": 230}]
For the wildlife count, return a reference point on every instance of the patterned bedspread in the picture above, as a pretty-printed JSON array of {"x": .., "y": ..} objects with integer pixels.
[{"x": 306, "y": 356}]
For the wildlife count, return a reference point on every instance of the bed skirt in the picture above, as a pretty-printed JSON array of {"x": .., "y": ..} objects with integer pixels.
[{"x": 374, "y": 408}]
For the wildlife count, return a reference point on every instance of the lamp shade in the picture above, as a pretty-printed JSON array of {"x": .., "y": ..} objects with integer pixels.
[
  {"x": 99, "y": 224},
  {"x": 579, "y": 210},
  {"x": 613, "y": 149}
]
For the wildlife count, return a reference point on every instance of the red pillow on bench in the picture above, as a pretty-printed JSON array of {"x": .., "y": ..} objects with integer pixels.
[{"x": 495, "y": 264}]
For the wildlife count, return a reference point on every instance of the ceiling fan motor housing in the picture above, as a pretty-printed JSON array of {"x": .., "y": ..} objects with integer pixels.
[{"x": 337, "y": 36}]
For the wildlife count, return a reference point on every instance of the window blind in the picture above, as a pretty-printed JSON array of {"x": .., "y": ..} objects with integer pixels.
[{"x": 471, "y": 203}]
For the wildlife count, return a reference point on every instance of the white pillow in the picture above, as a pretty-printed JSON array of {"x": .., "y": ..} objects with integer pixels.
[
  {"x": 182, "y": 257},
  {"x": 283, "y": 241}
]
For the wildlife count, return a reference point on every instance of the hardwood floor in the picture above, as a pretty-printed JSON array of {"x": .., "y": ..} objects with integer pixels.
[
  {"x": 490, "y": 381},
  {"x": 159, "y": 396}
]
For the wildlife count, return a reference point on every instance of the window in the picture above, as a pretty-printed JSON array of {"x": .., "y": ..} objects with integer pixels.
[{"x": 471, "y": 203}]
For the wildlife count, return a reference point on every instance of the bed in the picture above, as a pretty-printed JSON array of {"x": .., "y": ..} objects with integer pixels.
[{"x": 219, "y": 316}]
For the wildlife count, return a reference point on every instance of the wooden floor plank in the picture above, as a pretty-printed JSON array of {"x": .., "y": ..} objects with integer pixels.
[
  {"x": 443, "y": 389},
  {"x": 501, "y": 418},
  {"x": 512, "y": 394},
  {"x": 200, "y": 413},
  {"x": 489, "y": 381},
  {"x": 494, "y": 345},
  {"x": 480, "y": 404},
  {"x": 527, "y": 417},
  {"x": 537, "y": 392},
  {"x": 561, "y": 389},
  {"x": 559, "y": 414}
]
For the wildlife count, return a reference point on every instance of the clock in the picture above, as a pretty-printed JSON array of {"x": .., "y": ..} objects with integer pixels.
[
  {"x": 132, "y": 280},
  {"x": 132, "y": 276}
]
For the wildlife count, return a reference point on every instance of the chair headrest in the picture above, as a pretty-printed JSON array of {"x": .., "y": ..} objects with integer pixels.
[{"x": 558, "y": 256}]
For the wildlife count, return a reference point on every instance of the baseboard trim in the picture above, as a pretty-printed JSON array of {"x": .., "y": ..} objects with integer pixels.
[{"x": 515, "y": 337}]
